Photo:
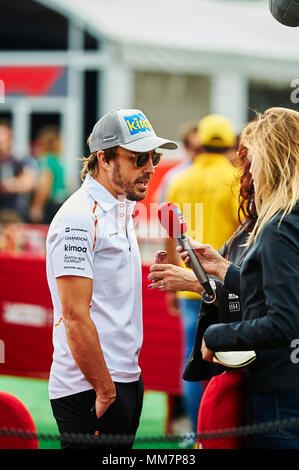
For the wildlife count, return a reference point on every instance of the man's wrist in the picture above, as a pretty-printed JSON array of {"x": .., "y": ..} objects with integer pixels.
[
  {"x": 106, "y": 391},
  {"x": 107, "y": 399}
]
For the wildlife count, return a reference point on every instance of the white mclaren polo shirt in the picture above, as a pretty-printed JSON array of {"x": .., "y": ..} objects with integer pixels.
[{"x": 92, "y": 235}]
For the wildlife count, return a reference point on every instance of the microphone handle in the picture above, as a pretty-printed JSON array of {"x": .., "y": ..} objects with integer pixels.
[{"x": 195, "y": 264}]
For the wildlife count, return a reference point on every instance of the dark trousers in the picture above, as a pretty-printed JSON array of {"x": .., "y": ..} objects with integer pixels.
[
  {"x": 263, "y": 407},
  {"x": 76, "y": 414}
]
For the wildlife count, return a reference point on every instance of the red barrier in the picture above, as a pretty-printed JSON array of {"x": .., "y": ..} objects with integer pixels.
[
  {"x": 162, "y": 350},
  {"x": 15, "y": 415},
  {"x": 26, "y": 327}
]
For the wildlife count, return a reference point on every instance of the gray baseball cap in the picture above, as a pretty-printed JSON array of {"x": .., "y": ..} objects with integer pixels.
[{"x": 128, "y": 128}]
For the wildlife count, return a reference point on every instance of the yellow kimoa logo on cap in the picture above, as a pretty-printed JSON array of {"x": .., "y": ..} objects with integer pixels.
[{"x": 137, "y": 123}]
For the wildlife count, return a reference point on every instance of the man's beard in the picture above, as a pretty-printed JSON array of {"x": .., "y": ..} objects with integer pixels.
[{"x": 126, "y": 186}]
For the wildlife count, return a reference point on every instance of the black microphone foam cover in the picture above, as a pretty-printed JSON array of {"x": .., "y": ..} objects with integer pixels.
[{"x": 285, "y": 12}]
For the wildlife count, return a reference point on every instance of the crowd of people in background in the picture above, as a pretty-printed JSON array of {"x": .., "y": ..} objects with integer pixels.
[
  {"x": 17, "y": 178},
  {"x": 32, "y": 188}
]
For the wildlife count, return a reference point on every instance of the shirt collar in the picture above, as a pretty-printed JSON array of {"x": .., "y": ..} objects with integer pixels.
[{"x": 103, "y": 197}]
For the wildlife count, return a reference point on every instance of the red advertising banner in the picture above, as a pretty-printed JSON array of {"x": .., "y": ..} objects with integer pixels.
[
  {"x": 32, "y": 81},
  {"x": 26, "y": 326}
]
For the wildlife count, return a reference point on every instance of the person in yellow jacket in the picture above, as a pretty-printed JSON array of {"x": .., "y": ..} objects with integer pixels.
[{"x": 207, "y": 194}]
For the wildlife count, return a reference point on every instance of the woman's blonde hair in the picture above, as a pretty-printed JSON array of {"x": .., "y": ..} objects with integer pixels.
[{"x": 274, "y": 139}]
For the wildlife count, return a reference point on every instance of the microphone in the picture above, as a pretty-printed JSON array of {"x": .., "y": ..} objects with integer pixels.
[
  {"x": 160, "y": 258},
  {"x": 172, "y": 220}
]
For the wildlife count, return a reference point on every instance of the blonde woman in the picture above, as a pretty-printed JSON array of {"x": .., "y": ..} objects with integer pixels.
[{"x": 269, "y": 281}]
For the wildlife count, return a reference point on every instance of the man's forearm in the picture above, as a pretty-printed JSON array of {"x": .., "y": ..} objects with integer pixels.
[{"x": 85, "y": 346}]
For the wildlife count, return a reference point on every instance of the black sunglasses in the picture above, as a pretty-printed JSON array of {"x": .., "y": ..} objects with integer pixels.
[{"x": 141, "y": 159}]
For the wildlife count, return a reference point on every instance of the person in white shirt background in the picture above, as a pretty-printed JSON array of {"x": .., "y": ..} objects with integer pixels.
[{"x": 94, "y": 275}]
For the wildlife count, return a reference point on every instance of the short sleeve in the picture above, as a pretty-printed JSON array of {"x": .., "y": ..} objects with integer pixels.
[
  {"x": 43, "y": 164},
  {"x": 71, "y": 246}
]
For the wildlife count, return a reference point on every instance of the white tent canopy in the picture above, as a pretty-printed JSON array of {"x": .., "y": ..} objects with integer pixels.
[
  {"x": 229, "y": 41},
  {"x": 229, "y": 27}
]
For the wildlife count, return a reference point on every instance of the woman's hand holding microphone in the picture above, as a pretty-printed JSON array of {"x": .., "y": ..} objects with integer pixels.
[
  {"x": 171, "y": 278},
  {"x": 211, "y": 261}
]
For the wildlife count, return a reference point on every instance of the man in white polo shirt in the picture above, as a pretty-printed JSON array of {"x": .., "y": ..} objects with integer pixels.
[{"x": 94, "y": 275}]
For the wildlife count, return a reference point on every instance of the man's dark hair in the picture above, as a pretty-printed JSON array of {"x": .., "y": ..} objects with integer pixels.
[
  {"x": 90, "y": 164},
  {"x": 5, "y": 122},
  {"x": 186, "y": 130}
]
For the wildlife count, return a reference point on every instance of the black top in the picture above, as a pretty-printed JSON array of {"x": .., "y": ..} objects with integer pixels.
[
  {"x": 270, "y": 308},
  {"x": 227, "y": 309}
]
